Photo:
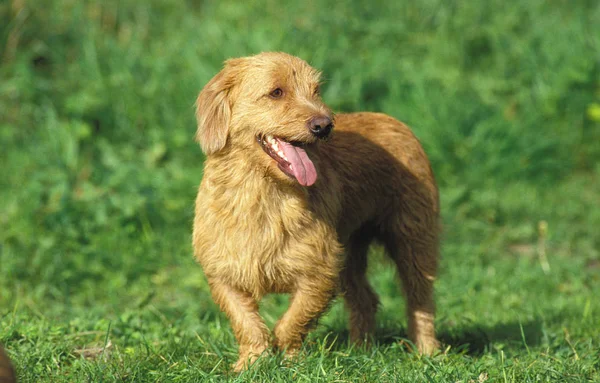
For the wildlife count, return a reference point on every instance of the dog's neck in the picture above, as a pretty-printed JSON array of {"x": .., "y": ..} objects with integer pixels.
[{"x": 246, "y": 170}]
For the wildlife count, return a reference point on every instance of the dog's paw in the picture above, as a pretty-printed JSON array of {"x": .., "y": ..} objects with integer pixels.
[
  {"x": 428, "y": 346},
  {"x": 244, "y": 362},
  {"x": 249, "y": 358}
]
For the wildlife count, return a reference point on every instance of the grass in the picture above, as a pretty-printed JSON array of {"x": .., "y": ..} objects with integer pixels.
[{"x": 99, "y": 171}]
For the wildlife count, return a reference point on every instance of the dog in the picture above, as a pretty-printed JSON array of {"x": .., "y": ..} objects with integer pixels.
[{"x": 290, "y": 204}]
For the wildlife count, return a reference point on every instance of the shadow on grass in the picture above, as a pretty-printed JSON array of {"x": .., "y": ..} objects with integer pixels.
[
  {"x": 478, "y": 339},
  {"x": 473, "y": 340}
]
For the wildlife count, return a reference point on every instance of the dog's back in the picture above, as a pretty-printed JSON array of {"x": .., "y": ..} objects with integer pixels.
[{"x": 380, "y": 166}]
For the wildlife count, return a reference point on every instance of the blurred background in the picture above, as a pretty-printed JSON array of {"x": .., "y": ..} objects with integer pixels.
[{"x": 99, "y": 169}]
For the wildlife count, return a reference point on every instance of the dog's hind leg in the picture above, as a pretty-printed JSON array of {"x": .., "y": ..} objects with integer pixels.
[
  {"x": 249, "y": 328},
  {"x": 361, "y": 300},
  {"x": 415, "y": 256}
]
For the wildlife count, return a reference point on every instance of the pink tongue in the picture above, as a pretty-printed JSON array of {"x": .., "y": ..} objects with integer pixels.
[{"x": 303, "y": 168}]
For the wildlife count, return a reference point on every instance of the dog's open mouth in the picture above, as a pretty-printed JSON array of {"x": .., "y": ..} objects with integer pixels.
[{"x": 290, "y": 157}]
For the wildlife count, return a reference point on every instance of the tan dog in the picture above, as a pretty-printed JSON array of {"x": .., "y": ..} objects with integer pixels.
[{"x": 288, "y": 206}]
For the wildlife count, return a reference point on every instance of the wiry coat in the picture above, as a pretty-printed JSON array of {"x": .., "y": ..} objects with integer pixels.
[{"x": 258, "y": 231}]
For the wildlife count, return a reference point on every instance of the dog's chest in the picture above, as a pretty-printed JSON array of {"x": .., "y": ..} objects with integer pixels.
[{"x": 259, "y": 244}]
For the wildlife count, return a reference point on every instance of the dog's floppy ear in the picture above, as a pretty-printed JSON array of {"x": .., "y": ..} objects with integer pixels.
[{"x": 213, "y": 110}]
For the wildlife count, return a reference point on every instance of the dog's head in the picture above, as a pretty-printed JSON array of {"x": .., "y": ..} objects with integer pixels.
[{"x": 270, "y": 103}]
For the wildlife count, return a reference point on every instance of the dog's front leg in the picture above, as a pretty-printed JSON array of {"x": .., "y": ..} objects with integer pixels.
[
  {"x": 249, "y": 328},
  {"x": 309, "y": 301}
]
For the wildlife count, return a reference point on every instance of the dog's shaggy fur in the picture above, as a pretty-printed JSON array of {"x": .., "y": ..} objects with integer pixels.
[{"x": 287, "y": 206}]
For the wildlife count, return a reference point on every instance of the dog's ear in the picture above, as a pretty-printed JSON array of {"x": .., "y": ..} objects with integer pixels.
[{"x": 213, "y": 110}]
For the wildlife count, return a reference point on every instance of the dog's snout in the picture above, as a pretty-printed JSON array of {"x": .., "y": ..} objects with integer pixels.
[{"x": 320, "y": 126}]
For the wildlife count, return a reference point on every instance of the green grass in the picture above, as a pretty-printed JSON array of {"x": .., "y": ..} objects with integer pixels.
[{"x": 99, "y": 172}]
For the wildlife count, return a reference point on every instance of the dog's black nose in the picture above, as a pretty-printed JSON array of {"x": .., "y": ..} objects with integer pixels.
[{"x": 320, "y": 126}]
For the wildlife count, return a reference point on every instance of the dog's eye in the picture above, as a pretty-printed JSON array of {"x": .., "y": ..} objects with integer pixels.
[{"x": 277, "y": 93}]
